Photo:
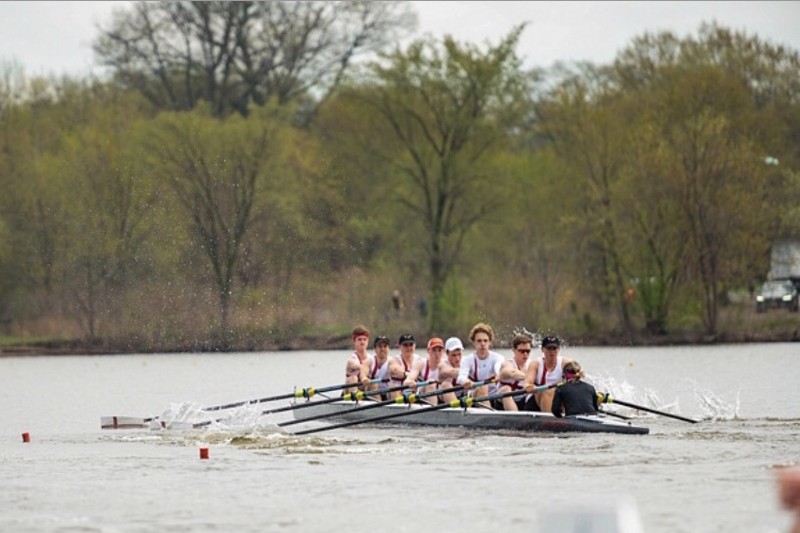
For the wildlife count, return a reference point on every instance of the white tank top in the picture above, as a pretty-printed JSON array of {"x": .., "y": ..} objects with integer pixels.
[
  {"x": 378, "y": 372},
  {"x": 356, "y": 360},
  {"x": 551, "y": 377}
]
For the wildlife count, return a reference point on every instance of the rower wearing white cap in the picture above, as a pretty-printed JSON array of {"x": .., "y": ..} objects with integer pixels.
[
  {"x": 482, "y": 364},
  {"x": 450, "y": 367}
]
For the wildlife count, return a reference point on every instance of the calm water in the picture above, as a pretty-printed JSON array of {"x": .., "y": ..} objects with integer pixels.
[{"x": 714, "y": 476}]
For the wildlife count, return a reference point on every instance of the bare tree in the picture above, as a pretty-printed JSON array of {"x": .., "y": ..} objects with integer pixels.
[{"x": 234, "y": 54}]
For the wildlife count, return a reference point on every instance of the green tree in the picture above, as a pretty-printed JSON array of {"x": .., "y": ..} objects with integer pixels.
[
  {"x": 721, "y": 101},
  {"x": 103, "y": 206},
  {"x": 445, "y": 106},
  {"x": 582, "y": 118},
  {"x": 219, "y": 171}
]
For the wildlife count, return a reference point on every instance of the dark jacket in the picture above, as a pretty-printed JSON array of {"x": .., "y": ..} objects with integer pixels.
[{"x": 576, "y": 397}]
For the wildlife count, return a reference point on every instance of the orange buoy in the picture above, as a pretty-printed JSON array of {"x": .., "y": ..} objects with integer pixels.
[
  {"x": 26, "y": 437},
  {"x": 203, "y": 453}
]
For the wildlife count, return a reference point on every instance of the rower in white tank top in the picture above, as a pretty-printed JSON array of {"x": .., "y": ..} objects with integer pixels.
[{"x": 548, "y": 370}]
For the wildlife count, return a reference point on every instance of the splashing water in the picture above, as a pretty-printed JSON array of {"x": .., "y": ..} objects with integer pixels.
[
  {"x": 625, "y": 391},
  {"x": 180, "y": 413},
  {"x": 714, "y": 407}
]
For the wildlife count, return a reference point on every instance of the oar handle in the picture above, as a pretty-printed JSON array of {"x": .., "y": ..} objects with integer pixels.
[
  {"x": 457, "y": 403},
  {"x": 355, "y": 396},
  {"x": 358, "y": 408},
  {"x": 604, "y": 397}
]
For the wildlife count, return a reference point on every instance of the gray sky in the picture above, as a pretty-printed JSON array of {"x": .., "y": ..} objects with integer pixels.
[{"x": 55, "y": 37}]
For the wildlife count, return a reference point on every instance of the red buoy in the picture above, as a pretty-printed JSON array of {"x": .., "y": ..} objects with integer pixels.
[
  {"x": 26, "y": 437},
  {"x": 203, "y": 453}
]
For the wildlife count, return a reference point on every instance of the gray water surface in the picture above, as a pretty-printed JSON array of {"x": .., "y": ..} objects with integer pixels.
[{"x": 717, "y": 475}]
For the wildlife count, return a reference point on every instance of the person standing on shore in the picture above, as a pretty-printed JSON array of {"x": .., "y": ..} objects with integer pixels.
[{"x": 546, "y": 370}]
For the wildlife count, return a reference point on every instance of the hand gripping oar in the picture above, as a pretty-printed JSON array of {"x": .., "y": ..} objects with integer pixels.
[
  {"x": 298, "y": 393},
  {"x": 406, "y": 398},
  {"x": 457, "y": 403},
  {"x": 604, "y": 397},
  {"x": 124, "y": 422},
  {"x": 350, "y": 396}
]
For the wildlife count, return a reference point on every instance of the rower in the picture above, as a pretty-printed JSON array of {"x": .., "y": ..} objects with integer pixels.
[
  {"x": 379, "y": 367},
  {"x": 428, "y": 371},
  {"x": 401, "y": 368},
  {"x": 482, "y": 364},
  {"x": 357, "y": 367},
  {"x": 511, "y": 376},
  {"x": 546, "y": 370},
  {"x": 449, "y": 369}
]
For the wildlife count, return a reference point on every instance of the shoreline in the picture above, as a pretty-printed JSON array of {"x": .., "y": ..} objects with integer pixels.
[{"x": 324, "y": 343}]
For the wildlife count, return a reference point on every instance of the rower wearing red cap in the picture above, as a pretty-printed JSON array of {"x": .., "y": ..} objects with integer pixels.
[{"x": 429, "y": 369}]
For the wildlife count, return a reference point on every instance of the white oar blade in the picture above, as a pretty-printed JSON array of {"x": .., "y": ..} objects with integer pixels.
[{"x": 122, "y": 422}]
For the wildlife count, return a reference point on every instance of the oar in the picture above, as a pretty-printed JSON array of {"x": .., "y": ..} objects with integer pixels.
[
  {"x": 350, "y": 396},
  {"x": 406, "y": 398},
  {"x": 604, "y": 397},
  {"x": 300, "y": 393},
  {"x": 615, "y": 415},
  {"x": 125, "y": 422},
  {"x": 457, "y": 403}
]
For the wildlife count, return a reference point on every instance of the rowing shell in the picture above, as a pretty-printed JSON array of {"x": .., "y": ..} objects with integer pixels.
[{"x": 475, "y": 417}]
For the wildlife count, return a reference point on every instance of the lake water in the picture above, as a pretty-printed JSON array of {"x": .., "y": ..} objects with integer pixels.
[{"x": 714, "y": 476}]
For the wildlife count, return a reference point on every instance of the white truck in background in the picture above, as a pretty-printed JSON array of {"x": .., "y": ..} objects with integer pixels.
[
  {"x": 785, "y": 261},
  {"x": 782, "y": 288}
]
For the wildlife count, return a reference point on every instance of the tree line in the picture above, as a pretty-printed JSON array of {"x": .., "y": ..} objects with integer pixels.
[{"x": 256, "y": 170}]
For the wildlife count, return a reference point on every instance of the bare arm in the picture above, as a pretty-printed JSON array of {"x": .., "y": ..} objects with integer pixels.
[
  {"x": 416, "y": 370},
  {"x": 447, "y": 371},
  {"x": 510, "y": 372},
  {"x": 353, "y": 366},
  {"x": 530, "y": 376}
]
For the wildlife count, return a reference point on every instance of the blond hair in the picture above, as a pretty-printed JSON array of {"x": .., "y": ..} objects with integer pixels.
[
  {"x": 573, "y": 367},
  {"x": 480, "y": 327}
]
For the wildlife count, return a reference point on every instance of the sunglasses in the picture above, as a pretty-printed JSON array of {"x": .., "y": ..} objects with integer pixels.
[
  {"x": 406, "y": 344},
  {"x": 524, "y": 350}
]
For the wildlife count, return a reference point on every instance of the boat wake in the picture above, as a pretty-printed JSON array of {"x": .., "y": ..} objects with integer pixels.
[{"x": 713, "y": 407}]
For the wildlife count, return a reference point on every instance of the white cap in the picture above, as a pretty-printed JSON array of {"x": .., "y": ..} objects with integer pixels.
[{"x": 453, "y": 343}]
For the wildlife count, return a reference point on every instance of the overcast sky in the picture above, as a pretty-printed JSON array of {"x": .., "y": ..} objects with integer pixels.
[{"x": 55, "y": 37}]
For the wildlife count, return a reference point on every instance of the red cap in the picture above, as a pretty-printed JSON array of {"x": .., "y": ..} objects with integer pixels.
[{"x": 436, "y": 341}]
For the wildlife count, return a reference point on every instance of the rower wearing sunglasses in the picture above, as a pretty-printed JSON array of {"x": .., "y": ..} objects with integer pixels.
[{"x": 511, "y": 377}]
